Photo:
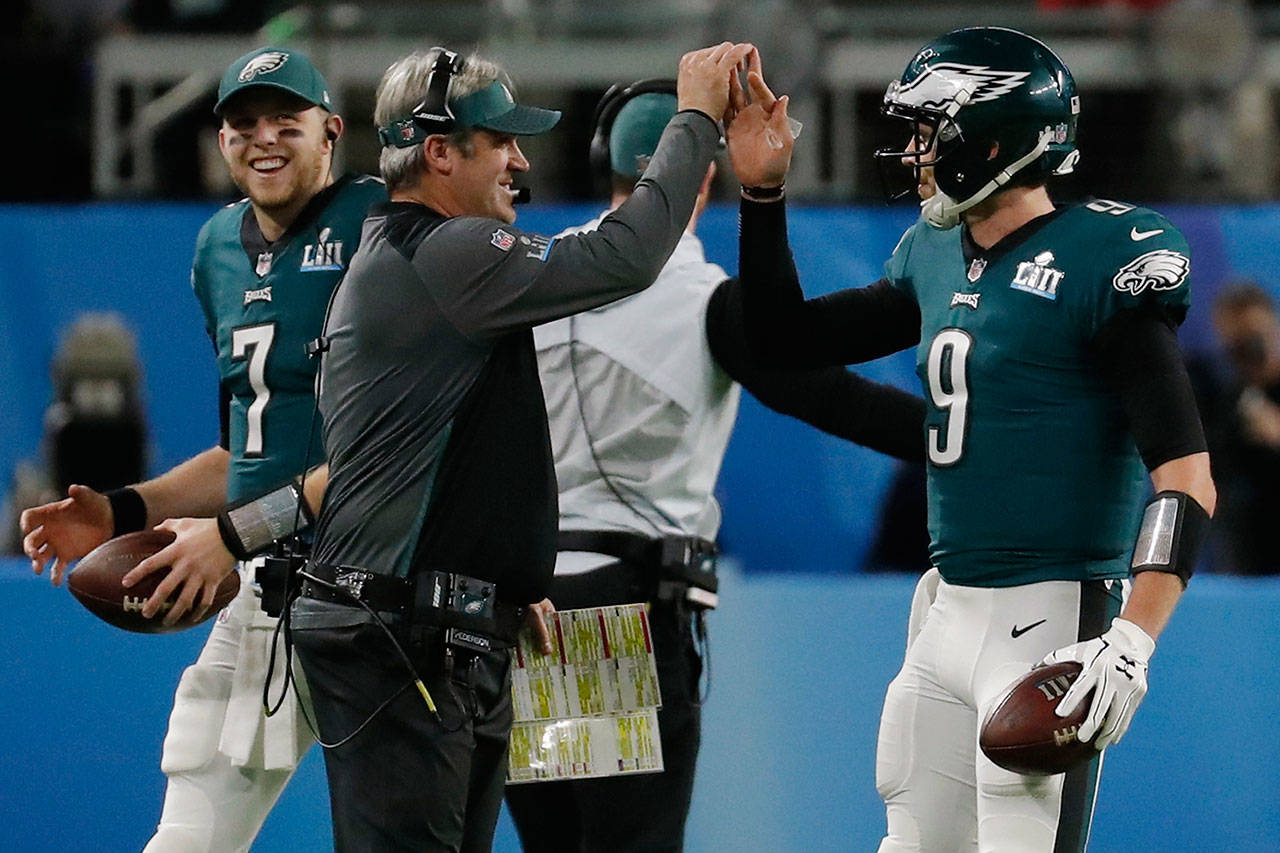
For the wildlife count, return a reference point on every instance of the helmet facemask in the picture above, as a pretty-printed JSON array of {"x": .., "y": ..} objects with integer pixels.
[{"x": 900, "y": 169}]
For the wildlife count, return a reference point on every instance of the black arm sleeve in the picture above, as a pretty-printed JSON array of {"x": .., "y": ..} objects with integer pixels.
[
  {"x": 783, "y": 330},
  {"x": 832, "y": 399},
  {"x": 224, "y": 416},
  {"x": 1137, "y": 351}
]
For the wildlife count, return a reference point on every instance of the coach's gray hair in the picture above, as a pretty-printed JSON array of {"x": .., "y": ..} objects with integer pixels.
[{"x": 403, "y": 87}]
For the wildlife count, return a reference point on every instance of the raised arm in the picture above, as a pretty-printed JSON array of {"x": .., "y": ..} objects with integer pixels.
[
  {"x": 533, "y": 279},
  {"x": 783, "y": 329}
]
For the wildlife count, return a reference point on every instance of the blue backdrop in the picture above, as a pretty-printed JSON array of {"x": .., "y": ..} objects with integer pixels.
[
  {"x": 800, "y": 664},
  {"x": 803, "y": 651},
  {"x": 794, "y": 500}
]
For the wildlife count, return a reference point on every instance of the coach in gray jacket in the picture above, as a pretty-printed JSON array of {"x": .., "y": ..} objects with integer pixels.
[{"x": 436, "y": 435}]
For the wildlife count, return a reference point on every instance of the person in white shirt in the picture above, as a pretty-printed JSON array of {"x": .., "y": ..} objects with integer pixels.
[{"x": 641, "y": 399}]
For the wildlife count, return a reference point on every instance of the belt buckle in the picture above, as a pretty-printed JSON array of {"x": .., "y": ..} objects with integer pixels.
[{"x": 352, "y": 580}]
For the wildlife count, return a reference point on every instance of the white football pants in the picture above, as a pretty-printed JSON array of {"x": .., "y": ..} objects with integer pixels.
[
  {"x": 226, "y": 762},
  {"x": 941, "y": 794}
]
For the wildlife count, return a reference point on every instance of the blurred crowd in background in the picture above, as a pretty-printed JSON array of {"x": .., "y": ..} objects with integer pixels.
[
  {"x": 1183, "y": 91},
  {"x": 1185, "y": 88}
]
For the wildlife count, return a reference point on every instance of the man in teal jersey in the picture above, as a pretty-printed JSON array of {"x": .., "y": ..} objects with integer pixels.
[
  {"x": 263, "y": 272},
  {"x": 1046, "y": 346}
]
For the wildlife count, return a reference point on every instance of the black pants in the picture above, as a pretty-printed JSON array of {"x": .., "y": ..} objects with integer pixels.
[
  {"x": 641, "y": 812},
  {"x": 406, "y": 782}
]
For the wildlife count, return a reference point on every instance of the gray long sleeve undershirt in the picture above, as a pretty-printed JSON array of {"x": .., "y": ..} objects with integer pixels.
[{"x": 581, "y": 271}]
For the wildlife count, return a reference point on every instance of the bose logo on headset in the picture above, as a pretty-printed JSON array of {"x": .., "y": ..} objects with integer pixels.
[{"x": 432, "y": 115}]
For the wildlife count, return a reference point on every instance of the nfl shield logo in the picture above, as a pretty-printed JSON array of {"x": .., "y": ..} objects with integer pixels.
[
  {"x": 264, "y": 264},
  {"x": 503, "y": 240}
]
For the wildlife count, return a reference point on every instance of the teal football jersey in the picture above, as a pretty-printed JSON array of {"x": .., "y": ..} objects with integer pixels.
[
  {"x": 262, "y": 305},
  {"x": 1032, "y": 472}
]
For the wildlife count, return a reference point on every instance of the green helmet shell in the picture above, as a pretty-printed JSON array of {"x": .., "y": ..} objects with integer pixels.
[{"x": 983, "y": 89}]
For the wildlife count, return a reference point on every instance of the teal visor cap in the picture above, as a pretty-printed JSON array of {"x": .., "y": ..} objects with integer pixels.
[{"x": 493, "y": 108}]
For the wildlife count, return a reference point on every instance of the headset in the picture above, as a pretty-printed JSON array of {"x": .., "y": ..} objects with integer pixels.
[
  {"x": 607, "y": 111},
  {"x": 432, "y": 114}
]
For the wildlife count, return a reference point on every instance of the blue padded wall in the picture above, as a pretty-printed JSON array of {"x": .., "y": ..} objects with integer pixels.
[
  {"x": 803, "y": 651},
  {"x": 800, "y": 664}
]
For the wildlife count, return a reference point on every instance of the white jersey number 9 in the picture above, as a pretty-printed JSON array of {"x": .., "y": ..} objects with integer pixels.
[{"x": 948, "y": 373}]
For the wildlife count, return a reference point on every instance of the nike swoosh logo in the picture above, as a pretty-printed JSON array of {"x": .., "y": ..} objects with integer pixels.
[
  {"x": 1018, "y": 632},
  {"x": 1135, "y": 235}
]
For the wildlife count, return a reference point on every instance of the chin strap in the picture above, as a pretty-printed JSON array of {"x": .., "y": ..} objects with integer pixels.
[{"x": 943, "y": 212}]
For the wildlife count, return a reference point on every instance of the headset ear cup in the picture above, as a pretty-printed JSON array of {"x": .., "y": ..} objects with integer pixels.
[
  {"x": 601, "y": 124},
  {"x": 598, "y": 154}
]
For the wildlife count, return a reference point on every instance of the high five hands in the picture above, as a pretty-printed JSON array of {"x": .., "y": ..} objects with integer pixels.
[
  {"x": 705, "y": 76},
  {"x": 759, "y": 133}
]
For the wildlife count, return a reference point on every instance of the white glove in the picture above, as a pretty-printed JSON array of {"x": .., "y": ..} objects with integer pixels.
[{"x": 1115, "y": 668}]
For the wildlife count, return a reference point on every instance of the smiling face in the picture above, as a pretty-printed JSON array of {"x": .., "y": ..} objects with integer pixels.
[
  {"x": 481, "y": 181},
  {"x": 277, "y": 147}
]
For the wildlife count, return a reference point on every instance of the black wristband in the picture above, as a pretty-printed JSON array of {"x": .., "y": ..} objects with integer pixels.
[
  {"x": 1174, "y": 526},
  {"x": 696, "y": 111},
  {"x": 128, "y": 511},
  {"x": 763, "y": 193}
]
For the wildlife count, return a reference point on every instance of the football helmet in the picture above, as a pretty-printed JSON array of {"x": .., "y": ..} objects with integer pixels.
[{"x": 986, "y": 105}]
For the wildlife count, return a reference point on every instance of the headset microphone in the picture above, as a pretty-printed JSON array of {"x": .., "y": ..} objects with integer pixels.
[{"x": 522, "y": 196}]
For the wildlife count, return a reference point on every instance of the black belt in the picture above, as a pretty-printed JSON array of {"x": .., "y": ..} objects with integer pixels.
[
  {"x": 681, "y": 558},
  {"x": 635, "y": 547},
  {"x": 396, "y": 596}
]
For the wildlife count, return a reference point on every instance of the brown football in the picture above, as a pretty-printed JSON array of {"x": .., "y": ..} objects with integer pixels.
[
  {"x": 95, "y": 582},
  {"x": 1024, "y": 734}
]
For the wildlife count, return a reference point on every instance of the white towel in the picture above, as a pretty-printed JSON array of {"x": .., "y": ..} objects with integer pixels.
[{"x": 249, "y": 737}]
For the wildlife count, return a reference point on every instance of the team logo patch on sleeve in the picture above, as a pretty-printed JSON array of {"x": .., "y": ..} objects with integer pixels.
[
  {"x": 503, "y": 240},
  {"x": 1162, "y": 269}
]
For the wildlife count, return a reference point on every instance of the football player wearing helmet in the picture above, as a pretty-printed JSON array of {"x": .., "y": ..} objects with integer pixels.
[{"x": 1045, "y": 343}]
